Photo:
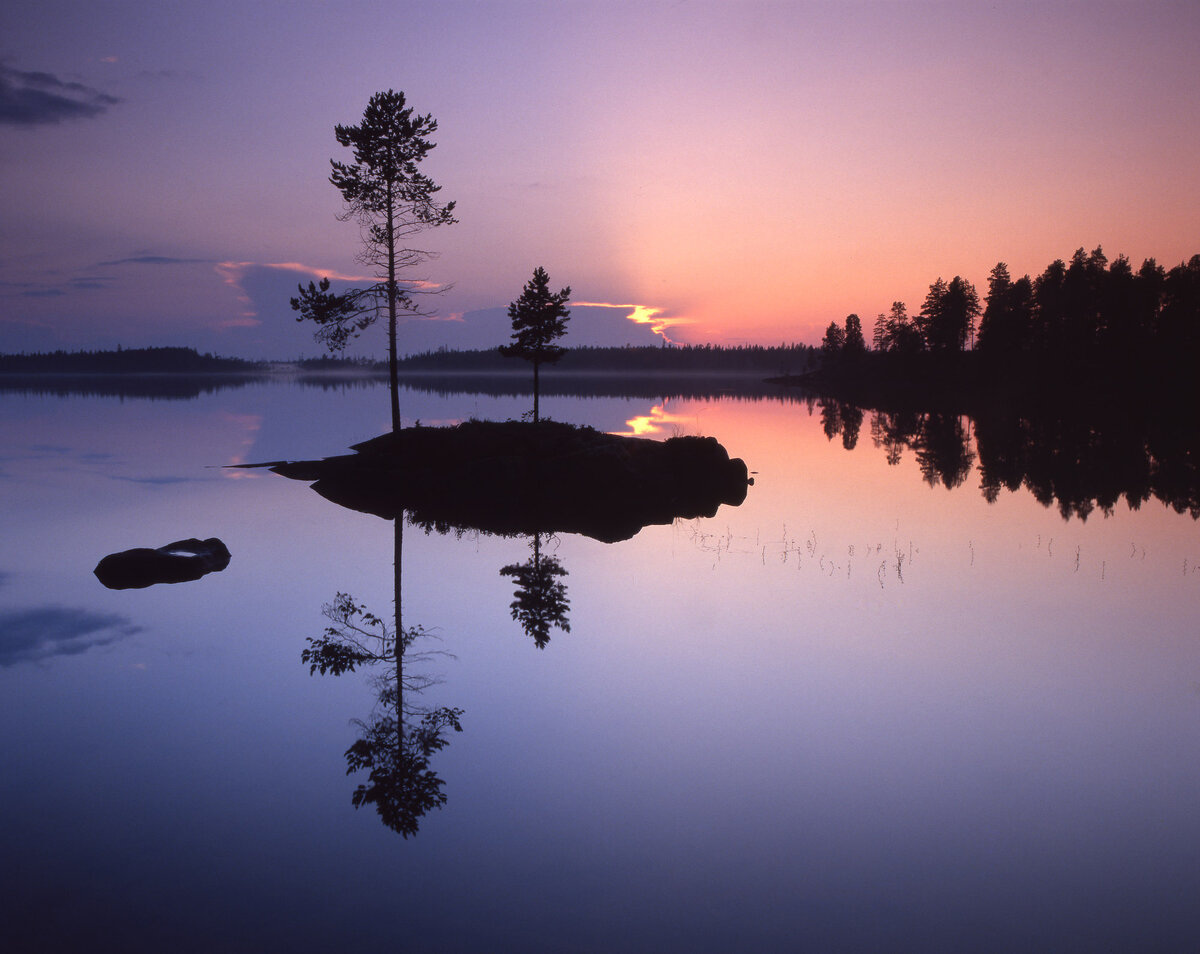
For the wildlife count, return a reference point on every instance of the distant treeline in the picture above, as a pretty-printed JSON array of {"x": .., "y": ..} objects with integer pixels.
[
  {"x": 124, "y": 361},
  {"x": 653, "y": 387},
  {"x": 684, "y": 359},
  {"x": 1085, "y": 324}
]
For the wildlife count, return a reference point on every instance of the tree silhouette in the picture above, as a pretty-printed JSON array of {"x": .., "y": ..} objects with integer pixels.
[
  {"x": 895, "y": 331},
  {"x": 540, "y": 601},
  {"x": 538, "y": 318},
  {"x": 1007, "y": 324},
  {"x": 388, "y": 197},
  {"x": 855, "y": 344},
  {"x": 398, "y": 740},
  {"x": 833, "y": 343},
  {"x": 947, "y": 320}
]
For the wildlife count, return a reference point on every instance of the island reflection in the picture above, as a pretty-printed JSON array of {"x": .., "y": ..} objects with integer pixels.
[{"x": 510, "y": 480}]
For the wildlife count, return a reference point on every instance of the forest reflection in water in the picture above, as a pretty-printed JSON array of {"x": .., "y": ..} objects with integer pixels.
[{"x": 1078, "y": 463}]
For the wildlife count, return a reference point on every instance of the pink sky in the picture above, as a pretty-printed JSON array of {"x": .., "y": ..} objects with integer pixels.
[{"x": 750, "y": 171}]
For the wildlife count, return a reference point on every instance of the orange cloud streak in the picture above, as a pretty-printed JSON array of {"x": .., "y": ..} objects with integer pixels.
[{"x": 643, "y": 315}]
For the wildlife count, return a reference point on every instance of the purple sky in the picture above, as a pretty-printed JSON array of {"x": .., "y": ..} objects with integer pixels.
[{"x": 747, "y": 171}]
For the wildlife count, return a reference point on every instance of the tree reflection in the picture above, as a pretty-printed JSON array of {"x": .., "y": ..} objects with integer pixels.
[
  {"x": 400, "y": 737},
  {"x": 1076, "y": 459},
  {"x": 540, "y": 600}
]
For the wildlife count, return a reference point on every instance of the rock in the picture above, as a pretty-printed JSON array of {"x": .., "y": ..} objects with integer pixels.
[{"x": 176, "y": 562}]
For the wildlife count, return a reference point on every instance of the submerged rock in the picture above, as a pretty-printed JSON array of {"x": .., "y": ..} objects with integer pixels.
[
  {"x": 176, "y": 562},
  {"x": 517, "y": 478}
]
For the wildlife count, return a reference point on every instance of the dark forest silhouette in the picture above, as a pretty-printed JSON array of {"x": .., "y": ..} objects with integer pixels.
[
  {"x": 1081, "y": 328},
  {"x": 125, "y": 361}
]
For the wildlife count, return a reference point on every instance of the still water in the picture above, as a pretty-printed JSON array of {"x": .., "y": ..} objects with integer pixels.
[{"x": 861, "y": 711}]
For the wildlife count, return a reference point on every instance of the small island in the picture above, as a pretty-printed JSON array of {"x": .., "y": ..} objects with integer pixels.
[{"x": 517, "y": 477}]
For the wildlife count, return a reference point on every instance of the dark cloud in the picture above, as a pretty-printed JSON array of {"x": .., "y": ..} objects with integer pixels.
[
  {"x": 158, "y": 260},
  {"x": 43, "y": 293},
  {"x": 33, "y": 635},
  {"x": 32, "y": 98}
]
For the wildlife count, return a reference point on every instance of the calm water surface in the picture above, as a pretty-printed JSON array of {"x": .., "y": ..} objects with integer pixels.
[{"x": 858, "y": 712}]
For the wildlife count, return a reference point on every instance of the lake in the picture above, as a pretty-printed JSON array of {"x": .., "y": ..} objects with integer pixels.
[{"x": 867, "y": 709}]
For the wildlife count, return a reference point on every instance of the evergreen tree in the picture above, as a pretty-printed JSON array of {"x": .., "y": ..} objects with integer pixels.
[
  {"x": 392, "y": 201},
  {"x": 854, "y": 345},
  {"x": 834, "y": 342},
  {"x": 539, "y": 317}
]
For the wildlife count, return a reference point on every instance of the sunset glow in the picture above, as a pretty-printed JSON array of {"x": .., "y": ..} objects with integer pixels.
[
  {"x": 793, "y": 163},
  {"x": 659, "y": 422}
]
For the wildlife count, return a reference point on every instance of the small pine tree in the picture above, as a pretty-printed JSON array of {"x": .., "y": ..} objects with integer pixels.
[{"x": 538, "y": 318}]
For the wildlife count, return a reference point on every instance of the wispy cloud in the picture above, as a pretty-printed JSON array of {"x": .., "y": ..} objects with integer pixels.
[
  {"x": 34, "y": 635},
  {"x": 43, "y": 289},
  {"x": 160, "y": 481},
  {"x": 656, "y": 318},
  {"x": 33, "y": 98},
  {"x": 234, "y": 274},
  {"x": 158, "y": 260}
]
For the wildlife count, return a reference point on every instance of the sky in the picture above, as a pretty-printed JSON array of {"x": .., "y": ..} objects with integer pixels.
[{"x": 732, "y": 172}]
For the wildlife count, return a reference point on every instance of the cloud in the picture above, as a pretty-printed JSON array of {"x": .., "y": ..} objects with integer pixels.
[
  {"x": 651, "y": 316},
  {"x": 31, "y": 98},
  {"x": 241, "y": 275},
  {"x": 162, "y": 481},
  {"x": 54, "y": 290},
  {"x": 158, "y": 260},
  {"x": 33, "y": 635}
]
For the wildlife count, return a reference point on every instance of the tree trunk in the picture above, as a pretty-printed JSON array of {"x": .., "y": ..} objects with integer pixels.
[
  {"x": 535, "y": 391},
  {"x": 393, "y": 368},
  {"x": 399, "y": 534}
]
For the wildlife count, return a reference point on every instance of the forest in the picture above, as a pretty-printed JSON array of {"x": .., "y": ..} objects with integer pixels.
[
  {"x": 679, "y": 359},
  {"x": 1085, "y": 325},
  {"x": 124, "y": 361}
]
